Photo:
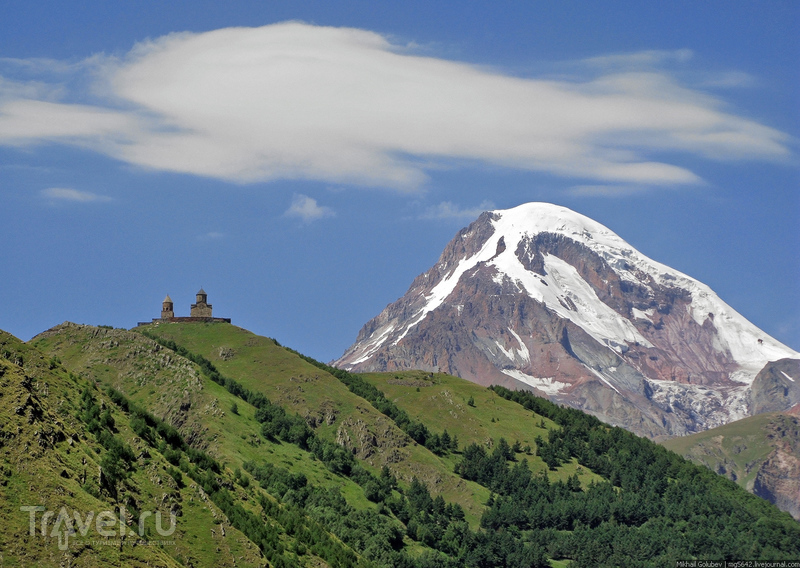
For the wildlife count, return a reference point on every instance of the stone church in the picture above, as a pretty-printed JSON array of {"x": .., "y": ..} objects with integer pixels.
[{"x": 200, "y": 311}]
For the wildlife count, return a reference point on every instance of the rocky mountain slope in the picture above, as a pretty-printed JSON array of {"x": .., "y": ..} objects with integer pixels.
[{"x": 543, "y": 298}]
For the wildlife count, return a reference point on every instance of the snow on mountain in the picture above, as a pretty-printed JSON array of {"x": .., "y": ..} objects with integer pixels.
[{"x": 545, "y": 297}]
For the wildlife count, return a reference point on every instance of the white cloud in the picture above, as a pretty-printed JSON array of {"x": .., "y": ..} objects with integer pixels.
[
  {"x": 342, "y": 105},
  {"x": 307, "y": 209},
  {"x": 31, "y": 121},
  {"x": 68, "y": 194},
  {"x": 449, "y": 210}
]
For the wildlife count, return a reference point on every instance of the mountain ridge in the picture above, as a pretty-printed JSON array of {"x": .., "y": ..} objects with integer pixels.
[{"x": 541, "y": 297}]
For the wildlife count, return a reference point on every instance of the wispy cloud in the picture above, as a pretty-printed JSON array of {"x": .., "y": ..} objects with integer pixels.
[
  {"x": 307, "y": 209},
  {"x": 211, "y": 236},
  {"x": 641, "y": 59},
  {"x": 729, "y": 79},
  {"x": 68, "y": 194},
  {"x": 604, "y": 190},
  {"x": 449, "y": 210},
  {"x": 342, "y": 105}
]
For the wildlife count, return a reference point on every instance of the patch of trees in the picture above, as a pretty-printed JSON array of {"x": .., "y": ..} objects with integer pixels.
[
  {"x": 655, "y": 507},
  {"x": 118, "y": 461},
  {"x": 378, "y": 534},
  {"x": 278, "y": 424}
]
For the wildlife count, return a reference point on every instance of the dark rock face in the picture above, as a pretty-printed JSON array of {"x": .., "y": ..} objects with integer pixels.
[
  {"x": 540, "y": 297},
  {"x": 776, "y": 387}
]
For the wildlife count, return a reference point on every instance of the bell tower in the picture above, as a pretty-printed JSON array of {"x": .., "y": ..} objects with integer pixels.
[{"x": 167, "y": 310}]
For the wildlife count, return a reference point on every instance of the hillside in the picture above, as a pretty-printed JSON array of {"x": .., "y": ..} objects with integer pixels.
[
  {"x": 761, "y": 453},
  {"x": 638, "y": 467},
  {"x": 60, "y": 454},
  {"x": 200, "y": 409},
  {"x": 175, "y": 390},
  {"x": 474, "y": 414},
  {"x": 335, "y": 413},
  {"x": 319, "y": 467}
]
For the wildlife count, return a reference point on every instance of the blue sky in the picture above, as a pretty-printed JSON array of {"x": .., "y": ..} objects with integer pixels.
[{"x": 304, "y": 162}]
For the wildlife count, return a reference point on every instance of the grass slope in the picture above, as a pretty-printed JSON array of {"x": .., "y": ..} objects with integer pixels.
[
  {"x": 175, "y": 391},
  {"x": 442, "y": 402},
  {"x": 260, "y": 364}
]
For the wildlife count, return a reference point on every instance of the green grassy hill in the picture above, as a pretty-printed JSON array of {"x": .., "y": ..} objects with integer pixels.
[
  {"x": 175, "y": 390},
  {"x": 474, "y": 414},
  {"x": 261, "y": 365},
  {"x": 306, "y": 465}
]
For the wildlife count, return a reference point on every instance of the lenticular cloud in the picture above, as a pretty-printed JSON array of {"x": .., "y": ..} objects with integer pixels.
[{"x": 295, "y": 101}]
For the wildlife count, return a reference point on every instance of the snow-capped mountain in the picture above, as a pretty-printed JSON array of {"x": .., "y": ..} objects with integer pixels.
[{"x": 541, "y": 297}]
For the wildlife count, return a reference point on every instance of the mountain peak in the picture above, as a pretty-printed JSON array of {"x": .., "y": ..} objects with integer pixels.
[
  {"x": 539, "y": 296},
  {"x": 538, "y": 216}
]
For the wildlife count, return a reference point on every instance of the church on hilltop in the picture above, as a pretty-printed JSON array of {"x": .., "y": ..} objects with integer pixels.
[{"x": 200, "y": 311}]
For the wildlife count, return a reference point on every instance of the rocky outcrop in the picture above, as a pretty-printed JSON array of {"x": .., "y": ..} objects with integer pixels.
[
  {"x": 542, "y": 298},
  {"x": 366, "y": 440},
  {"x": 776, "y": 387},
  {"x": 778, "y": 478}
]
